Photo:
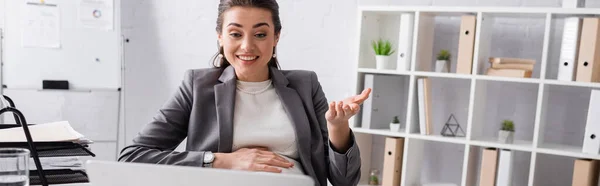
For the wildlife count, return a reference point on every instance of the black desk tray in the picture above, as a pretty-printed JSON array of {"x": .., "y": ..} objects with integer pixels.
[
  {"x": 53, "y": 149},
  {"x": 59, "y": 176},
  {"x": 50, "y": 149}
]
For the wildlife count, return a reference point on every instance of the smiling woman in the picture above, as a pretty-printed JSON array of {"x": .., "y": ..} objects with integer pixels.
[{"x": 247, "y": 114}]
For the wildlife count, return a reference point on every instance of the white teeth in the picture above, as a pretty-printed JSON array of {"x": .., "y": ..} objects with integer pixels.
[{"x": 247, "y": 58}]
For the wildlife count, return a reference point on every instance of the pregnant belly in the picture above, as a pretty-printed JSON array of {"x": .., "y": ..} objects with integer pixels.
[{"x": 296, "y": 169}]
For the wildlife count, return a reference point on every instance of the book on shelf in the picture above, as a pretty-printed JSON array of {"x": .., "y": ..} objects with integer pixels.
[
  {"x": 588, "y": 66},
  {"x": 505, "y": 169},
  {"x": 392, "y": 167},
  {"x": 591, "y": 142},
  {"x": 585, "y": 172},
  {"x": 507, "y": 60},
  {"x": 466, "y": 44},
  {"x": 512, "y": 66},
  {"x": 569, "y": 49},
  {"x": 424, "y": 103},
  {"x": 509, "y": 72},
  {"x": 488, "y": 166}
]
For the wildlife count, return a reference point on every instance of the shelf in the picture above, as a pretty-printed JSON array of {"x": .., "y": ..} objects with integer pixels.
[
  {"x": 549, "y": 115},
  {"x": 572, "y": 83},
  {"x": 443, "y": 75},
  {"x": 384, "y": 72},
  {"x": 508, "y": 79},
  {"x": 565, "y": 150},
  {"x": 439, "y": 138},
  {"x": 381, "y": 132},
  {"x": 520, "y": 145}
]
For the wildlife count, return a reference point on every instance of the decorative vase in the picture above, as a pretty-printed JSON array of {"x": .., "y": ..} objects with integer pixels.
[
  {"x": 442, "y": 66},
  {"x": 506, "y": 136},
  {"x": 395, "y": 127},
  {"x": 384, "y": 62}
]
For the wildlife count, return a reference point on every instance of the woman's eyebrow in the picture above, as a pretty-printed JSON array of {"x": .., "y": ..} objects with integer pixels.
[{"x": 255, "y": 26}]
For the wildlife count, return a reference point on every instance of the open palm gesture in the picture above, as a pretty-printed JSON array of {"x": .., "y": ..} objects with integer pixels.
[{"x": 340, "y": 111}]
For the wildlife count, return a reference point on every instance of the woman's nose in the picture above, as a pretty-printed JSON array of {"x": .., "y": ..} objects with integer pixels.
[{"x": 247, "y": 44}]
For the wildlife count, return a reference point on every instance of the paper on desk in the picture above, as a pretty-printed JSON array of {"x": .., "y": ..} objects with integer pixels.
[
  {"x": 40, "y": 25},
  {"x": 49, "y": 132},
  {"x": 97, "y": 14}
]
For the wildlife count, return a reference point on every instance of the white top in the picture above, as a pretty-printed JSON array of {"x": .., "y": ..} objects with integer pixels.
[{"x": 260, "y": 120}]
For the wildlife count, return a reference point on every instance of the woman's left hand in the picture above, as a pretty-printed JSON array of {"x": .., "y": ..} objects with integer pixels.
[{"x": 340, "y": 111}]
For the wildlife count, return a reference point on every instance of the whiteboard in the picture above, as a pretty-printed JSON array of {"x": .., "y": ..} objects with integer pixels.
[
  {"x": 95, "y": 114},
  {"x": 88, "y": 58}
]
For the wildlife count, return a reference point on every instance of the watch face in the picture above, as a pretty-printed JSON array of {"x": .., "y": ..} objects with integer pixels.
[{"x": 209, "y": 157}]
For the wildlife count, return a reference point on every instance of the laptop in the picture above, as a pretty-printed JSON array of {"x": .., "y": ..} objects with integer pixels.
[{"x": 111, "y": 173}]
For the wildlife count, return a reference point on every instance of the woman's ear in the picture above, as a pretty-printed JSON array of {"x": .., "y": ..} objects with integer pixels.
[
  {"x": 276, "y": 39},
  {"x": 220, "y": 39}
]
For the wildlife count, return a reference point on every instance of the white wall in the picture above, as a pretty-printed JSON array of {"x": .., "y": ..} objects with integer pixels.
[{"x": 169, "y": 37}]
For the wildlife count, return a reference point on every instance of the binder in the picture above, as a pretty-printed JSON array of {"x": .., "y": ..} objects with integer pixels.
[
  {"x": 585, "y": 172},
  {"x": 489, "y": 165},
  {"x": 569, "y": 49},
  {"x": 405, "y": 41},
  {"x": 385, "y": 103},
  {"x": 466, "y": 44},
  {"x": 588, "y": 66},
  {"x": 392, "y": 161},
  {"x": 591, "y": 140},
  {"x": 505, "y": 163},
  {"x": 424, "y": 106}
]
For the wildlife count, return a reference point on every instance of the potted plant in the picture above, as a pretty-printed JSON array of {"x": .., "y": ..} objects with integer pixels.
[
  {"x": 395, "y": 124},
  {"x": 507, "y": 132},
  {"x": 442, "y": 64},
  {"x": 383, "y": 51}
]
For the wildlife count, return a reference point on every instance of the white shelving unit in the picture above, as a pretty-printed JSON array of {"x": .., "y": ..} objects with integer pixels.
[{"x": 550, "y": 115}]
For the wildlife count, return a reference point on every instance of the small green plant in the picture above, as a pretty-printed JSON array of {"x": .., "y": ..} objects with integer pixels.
[
  {"x": 382, "y": 47},
  {"x": 443, "y": 55},
  {"x": 508, "y": 125},
  {"x": 395, "y": 120}
]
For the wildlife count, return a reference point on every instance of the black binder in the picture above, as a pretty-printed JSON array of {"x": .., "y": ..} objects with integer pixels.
[{"x": 46, "y": 149}]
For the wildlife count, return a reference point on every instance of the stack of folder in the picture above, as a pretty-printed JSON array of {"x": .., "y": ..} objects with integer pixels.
[{"x": 510, "y": 67}]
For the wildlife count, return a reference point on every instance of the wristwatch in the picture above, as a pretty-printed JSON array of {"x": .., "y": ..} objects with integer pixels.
[{"x": 208, "y": 160}]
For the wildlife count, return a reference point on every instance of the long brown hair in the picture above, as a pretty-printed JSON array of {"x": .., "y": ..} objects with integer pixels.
[{"x": 224, "y": 5}]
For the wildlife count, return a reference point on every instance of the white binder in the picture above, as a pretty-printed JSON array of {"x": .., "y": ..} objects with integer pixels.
[
  {"x": 386, "y": 100},
  {"x": 505, "y": 162},
  {"x": 405, "y": 41},
  {"x": 569, "y": 49},
  {"x": 591, "y": 140}
]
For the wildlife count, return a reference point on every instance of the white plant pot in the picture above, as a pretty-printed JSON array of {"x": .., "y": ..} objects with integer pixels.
[
  {"x": 395, "y": 127},
  {"x": 384, "y": 62},
  {"x": 506, "y": 136},
  {"x": 442, "y": 66}
]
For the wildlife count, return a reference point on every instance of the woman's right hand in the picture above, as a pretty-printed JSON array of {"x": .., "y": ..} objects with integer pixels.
[{"x": 253, "y": 159}]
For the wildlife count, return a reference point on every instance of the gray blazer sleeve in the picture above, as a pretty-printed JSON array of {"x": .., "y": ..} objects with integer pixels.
[
  {"x": 157, "y": 141},
  {"x": 344, "y": 167}
]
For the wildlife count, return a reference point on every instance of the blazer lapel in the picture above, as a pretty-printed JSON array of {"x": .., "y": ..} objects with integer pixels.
[
  {"x": 295, "y": 110},
  {"x": 225, "y": 103}
]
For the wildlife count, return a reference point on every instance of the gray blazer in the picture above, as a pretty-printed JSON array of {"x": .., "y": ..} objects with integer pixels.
[{"x": 202, "y": 111}]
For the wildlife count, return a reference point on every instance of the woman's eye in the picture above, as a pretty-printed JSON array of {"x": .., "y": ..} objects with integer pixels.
[
  {"x": 235, "y": 35},
  {"x": 261, "y": 35}
]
